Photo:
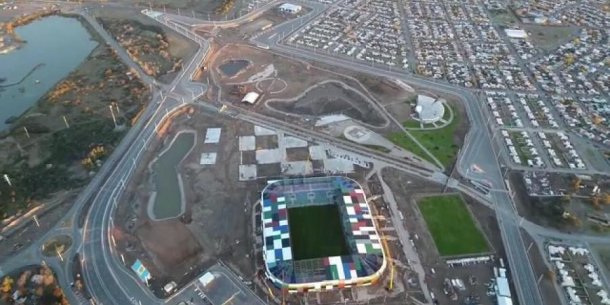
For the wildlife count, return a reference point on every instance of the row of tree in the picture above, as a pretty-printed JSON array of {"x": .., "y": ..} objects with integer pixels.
[{"x": 36, "y": 285}]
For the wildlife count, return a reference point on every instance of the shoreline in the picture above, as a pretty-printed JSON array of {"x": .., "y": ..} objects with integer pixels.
[
  {"x": 16, "y": 42},
  {"x": 93, "y": 36}
]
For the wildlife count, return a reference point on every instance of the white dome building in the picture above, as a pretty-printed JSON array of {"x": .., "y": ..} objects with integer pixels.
[{"x": 429, "y": 110}]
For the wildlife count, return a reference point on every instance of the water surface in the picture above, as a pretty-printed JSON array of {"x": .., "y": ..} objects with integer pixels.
[{"x": 54, "y": 47}]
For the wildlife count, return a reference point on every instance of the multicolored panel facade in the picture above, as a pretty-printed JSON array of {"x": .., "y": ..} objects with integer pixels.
[{"x": 365, "y": 260}]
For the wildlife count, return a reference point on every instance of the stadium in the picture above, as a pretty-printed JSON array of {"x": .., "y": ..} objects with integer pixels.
[{"x": 319, "y": 234}]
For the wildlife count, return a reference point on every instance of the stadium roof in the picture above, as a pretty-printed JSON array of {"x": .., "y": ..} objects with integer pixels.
[{"x": 366, "y": 256}]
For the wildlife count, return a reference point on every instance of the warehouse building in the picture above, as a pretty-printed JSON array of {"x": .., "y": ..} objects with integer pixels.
[{"x": 290, "y": 8}]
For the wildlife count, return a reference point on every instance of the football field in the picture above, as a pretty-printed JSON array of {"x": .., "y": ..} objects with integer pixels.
[
  {"x": 316, "y": 231},
  {"x": 451, "y": 226}
]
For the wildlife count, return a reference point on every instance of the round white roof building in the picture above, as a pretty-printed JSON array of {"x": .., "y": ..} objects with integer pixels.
[{"x": 429, "y": 110}]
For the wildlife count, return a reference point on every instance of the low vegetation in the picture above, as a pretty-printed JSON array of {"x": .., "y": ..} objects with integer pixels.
[
  {"x": 146, "y": 44},
  {"x": 451, "y": 226},
  {"x": 58, "y": 143},
  {"x": 225, "y": 7}
]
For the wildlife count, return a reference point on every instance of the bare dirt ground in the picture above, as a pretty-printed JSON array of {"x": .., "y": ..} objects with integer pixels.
[
  {"x": 406, "y": 189},
  {"x": 279, "y": 77},
  {"x": 217, "y": 222},
  {"x": 330, "y": 98},
  {"x": 395, "y": 99}
]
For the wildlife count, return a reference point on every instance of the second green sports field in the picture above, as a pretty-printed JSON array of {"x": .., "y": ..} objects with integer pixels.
[{"x": 451, "y": 226}]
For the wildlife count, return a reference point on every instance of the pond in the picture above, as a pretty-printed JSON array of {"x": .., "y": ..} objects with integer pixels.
[
  {"x": 168, "y": 201},
  {"x": 54, "y": 47},
  {"x": 232, "y": 67}
]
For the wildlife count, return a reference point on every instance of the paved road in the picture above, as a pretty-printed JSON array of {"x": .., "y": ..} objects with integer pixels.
[
  {"x": 478, "y": 149},
  {"x": 104, "y": 274},
  {"x": 111, "y": 283}
]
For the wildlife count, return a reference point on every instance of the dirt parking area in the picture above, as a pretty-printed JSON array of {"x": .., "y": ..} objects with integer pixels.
[{"x": 476, "y": 277}]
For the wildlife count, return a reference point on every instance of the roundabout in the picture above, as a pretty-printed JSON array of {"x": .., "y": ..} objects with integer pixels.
[{"x": 56, "y": 246}]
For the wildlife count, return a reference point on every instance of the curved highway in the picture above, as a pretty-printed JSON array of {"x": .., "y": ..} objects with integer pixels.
[
  {"x": 478, "y": 147},
  {"x": 110, "y": 282}
]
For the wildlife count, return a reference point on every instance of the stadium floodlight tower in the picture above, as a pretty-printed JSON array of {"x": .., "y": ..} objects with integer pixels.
[{"x": 319, "y": 234}]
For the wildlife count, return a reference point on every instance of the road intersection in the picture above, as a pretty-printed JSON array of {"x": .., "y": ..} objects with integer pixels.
[{"x": 111, "y": 282}]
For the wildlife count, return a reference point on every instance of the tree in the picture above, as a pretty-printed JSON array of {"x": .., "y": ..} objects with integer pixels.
[
  {"x": 576, "y": 184},
  {"x": 550, "y": 275},
  {"x": 595, "y": 200},
  {"x": 7, "y": 285},
  {"x": 606, "y": 198}
]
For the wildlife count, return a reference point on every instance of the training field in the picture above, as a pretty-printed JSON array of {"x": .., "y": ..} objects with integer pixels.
[
  {"x": 315, "y": 231},
  {"x": 451, "y": 226}
]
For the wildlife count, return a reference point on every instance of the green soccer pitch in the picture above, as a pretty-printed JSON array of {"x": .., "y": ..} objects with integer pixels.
[
  {"x": 316, "y": 231},
  {"x": 451, "y": 226}
]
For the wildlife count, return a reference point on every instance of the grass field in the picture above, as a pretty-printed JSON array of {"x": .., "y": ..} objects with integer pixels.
[
  {"x": 451, "y": 226},
  {"x": 400, "y": 138},
  {"x": 316, "y": 231},
  {"x": 440, "y": 142}
]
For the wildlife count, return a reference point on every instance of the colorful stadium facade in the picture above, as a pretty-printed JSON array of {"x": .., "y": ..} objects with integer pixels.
[{"x": 365, "y": 261}]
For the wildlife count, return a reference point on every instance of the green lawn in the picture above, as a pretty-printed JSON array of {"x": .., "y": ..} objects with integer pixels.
[
  {"x": 316, "y": 231},
  {"x": 451, "y": 226},
  {"x": 439, "y": 142},
  {"x": 410, "y": 123},
  {"x": 401, "y": 139}
]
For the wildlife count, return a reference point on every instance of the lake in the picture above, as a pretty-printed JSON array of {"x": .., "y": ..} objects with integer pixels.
[{"x": 54, "y": 47}]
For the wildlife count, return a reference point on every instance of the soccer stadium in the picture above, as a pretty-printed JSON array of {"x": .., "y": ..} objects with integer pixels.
[{"x": 319, "y": 234}]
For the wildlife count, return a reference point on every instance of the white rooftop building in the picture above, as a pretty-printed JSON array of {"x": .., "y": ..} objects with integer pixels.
[
  {"x": 429, "y": 110},
  {"x": 290, "y": 8},
  {"x": 519, "y": 34},
  {"x": 250, "y": 98}
]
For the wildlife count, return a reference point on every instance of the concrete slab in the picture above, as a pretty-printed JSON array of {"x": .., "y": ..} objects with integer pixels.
[
  {"x": 317, "y": 152},
  {"x": 212, "y": 135},
  {"x": 338, "y": 166},
  {"x": 247, "y": 143},
  {"x": 297, "y": 168},
  {"x": 291, "y": 142},
  {"x": 247, "y": 172},
  {"x": 262, "y": 131},
  {"x": 267, "y": 156},
  {"x": 207, "y": 158}
]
